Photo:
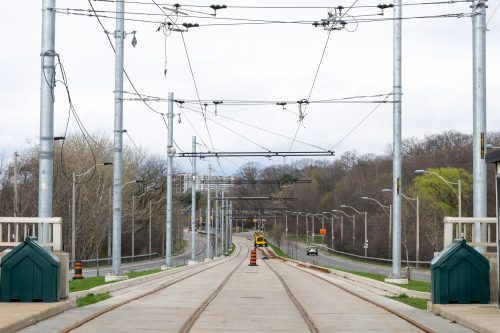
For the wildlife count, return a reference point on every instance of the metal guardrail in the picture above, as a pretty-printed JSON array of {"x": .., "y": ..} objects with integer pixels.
[
  {"x": 420, "y": 262},
  {"x": 98, "y": 260}
]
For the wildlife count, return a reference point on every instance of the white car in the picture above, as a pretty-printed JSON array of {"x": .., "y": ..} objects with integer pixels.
[{"x": 312, "y": 251}]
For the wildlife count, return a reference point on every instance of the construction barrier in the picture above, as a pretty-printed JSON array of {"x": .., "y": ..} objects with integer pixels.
[
  {"x": 253, "y": 258},
  {"x": 78, "y": 270}
]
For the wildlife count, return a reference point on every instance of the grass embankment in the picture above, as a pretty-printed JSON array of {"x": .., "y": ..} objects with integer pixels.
[
  {"x": 94, "y": 281},
  {"x": 418, "y": 303},
  {"x": 91, "y": 299},
  {"x": 278, "y": 251}
]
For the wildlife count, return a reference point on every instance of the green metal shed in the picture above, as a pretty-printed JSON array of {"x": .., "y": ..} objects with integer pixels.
[
  {"x": 460, "y": 275},
  {"x": 29, "y": 273}
]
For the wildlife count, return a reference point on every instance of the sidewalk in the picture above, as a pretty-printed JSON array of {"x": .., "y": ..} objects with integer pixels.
[
  {"x": 15, "y": 316},
  {"x": 478, "y": 317}
]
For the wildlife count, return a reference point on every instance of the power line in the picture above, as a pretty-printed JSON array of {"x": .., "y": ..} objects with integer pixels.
[{"x": 359, "y": 123}]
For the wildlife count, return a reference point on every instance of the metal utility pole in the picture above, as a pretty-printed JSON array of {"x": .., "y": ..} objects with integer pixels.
[
  {"x": 226, "y": 226},
  {"x": 170, "y": 152},
  {"x": 118, "y": 138},
  {"x": 230, "y": 224},
  {"x": 397, "y": 155},
  {"x": 216, "y": 234},
  {"x": 479, "y": 186},
  {"x": 73, "y": 219},
  {"x": 16, "y": 199},
  {"x": 193, "y": 203},
  {"x": 223, "y": 226},
  {"x": 209, "y": 244},
  {"x": 47, "y": 83}
]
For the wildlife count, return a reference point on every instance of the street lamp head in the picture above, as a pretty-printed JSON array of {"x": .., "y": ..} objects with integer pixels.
[
  {"x": 364, "y": 198},
  {"x": 386, "y": 190},
  {"x": 107, "y": 163},
  {"x": 343, "y": 206},
  {"x": 419, "y": 171},
  {"x": 57, "y": 138}
]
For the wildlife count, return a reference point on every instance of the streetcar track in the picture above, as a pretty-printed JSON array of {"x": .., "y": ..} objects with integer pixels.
[
  {"x": 194, "y": 317},
  {"x": 356, "y": 294},
  {"x": 150, "y": 292},
  {"x": 309, "y": 322}
]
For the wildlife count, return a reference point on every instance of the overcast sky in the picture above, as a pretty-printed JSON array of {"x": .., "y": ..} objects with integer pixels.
[{"x": 264, "y": 62}]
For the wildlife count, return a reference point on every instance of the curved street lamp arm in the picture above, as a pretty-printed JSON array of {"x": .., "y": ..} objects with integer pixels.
[{"x": 357, "y": 211}]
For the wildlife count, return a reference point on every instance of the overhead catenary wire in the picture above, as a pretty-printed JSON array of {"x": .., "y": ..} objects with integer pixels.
[
  {"x": 359, "y": 123},
  {"x": 302, "y": 113},
  {"x": 127, "y": 76},
  {"x": 353, "y": 20},
  {"x": 446, "y": 2}
]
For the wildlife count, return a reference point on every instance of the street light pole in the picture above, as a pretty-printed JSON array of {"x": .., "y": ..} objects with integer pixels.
[
  {"x": 365, "y": 245},
  {"x": 390, "y": 218},
  {"x": 417, "y": 210},
  {"x": 342, "y": 226}
]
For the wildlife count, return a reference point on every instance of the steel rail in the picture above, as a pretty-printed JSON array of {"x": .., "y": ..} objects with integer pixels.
[{"x": 150, "y": 292}]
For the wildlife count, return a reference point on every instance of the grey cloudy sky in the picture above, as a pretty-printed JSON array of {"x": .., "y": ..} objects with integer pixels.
[{"x": 266, "y": 62}]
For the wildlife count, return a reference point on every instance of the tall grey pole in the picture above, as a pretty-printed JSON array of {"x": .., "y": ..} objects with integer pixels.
[
  {"x": 110, "y": 223},
  {"x": 397, "y": 156},
  {"x": 170, "y": 152},
  {"x": 47, "y": 83},
  {"x": 226, "y": 226},
  {"x": 149, "y": 227},
  {"x": 342, "y": 233},
  {"x": 297, "y": 228},
  {"x": 16, "y": 198},
  {"x": 313, "y": 235},
  {"x": 366, "y": 234},
  {"x": 118, "y": 138},
  {"x": 133, "y": 227},
  {"x": 223, "y": 226},
  {"x": 230, "y": 223},
  {"x": 417, "y": 251},
  {"x": 307, "y": 231},
  {"x": 353, "y": 231},
  {"x": 333, "y": 245},
  {"x": 217, "y": 233},
  {"x": 209, "y": 244},
  {"x": 73, "y": 218},
  {"x": 479, "y": 185},
  {"x": 286, "y": 225},
  {"x": 193, "y": 203}
]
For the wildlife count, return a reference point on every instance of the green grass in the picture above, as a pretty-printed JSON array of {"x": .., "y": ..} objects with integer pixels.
[
  {"x": 231, "y": 249},
  {"x": 418, "y": 303},
  {"x": 91, "y": 299},
  {"x": 278, "y": 251},
  {"x": 132, "y": 275},
  {"x": 412, "y": 284},
  {"x": 86, "y": 283}
]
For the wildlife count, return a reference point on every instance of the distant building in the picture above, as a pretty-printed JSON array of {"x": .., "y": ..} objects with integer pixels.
[{"x": 184, "y": 181}]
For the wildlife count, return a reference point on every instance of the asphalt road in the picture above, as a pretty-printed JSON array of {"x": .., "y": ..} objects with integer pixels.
[
  {"x": 177, "y": 260},
  {"x": 298, "y": 251}
]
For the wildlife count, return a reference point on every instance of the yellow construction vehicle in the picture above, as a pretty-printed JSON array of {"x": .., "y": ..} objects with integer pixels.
[{"x": 258, "y": 239}]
